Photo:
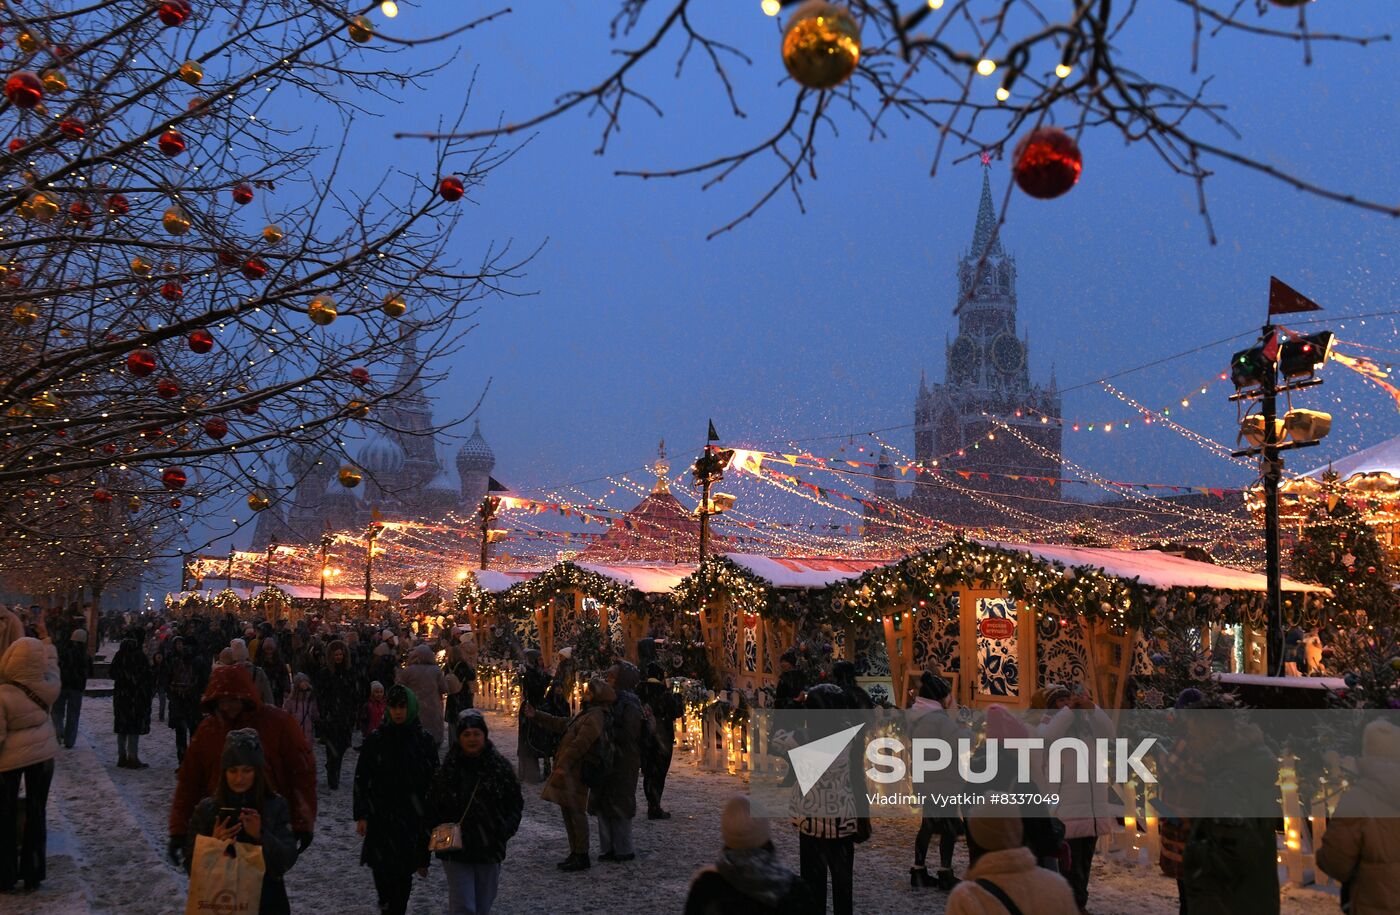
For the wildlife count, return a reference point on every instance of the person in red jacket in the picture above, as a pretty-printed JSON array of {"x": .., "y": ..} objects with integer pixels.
[{"x": 231, "y": 702}]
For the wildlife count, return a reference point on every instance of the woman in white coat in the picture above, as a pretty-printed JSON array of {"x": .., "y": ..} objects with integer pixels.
[{"x": 29, "y": 685}]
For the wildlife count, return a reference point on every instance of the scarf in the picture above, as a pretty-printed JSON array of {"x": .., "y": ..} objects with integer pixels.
[{"x": 755, "y": 872}]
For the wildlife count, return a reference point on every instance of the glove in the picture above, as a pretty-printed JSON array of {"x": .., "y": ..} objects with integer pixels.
[
  {"x": 176, "y": 851},
  {"x": 303, "y": 841}
]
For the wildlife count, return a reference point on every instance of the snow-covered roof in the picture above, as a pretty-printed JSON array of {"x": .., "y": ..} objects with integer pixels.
[
  {"x": 1153, "y": 568},
  {"x": 495, "y": 582},
  {"x": 804, "y": 572},
  {"x": 1333, "y": 683},
  {"x": 297, "y": 592},
  {"x": 649, "y": 579},
  {"x": 1381, "y": 458}
]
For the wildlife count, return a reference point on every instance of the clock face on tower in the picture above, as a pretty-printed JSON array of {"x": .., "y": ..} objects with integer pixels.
[
  {"x": 1007, "y": 354},
  {"x": 962, "y": 360}
]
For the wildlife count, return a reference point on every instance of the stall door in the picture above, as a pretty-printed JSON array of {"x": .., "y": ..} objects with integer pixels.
[{"x": 998, "y": 649}]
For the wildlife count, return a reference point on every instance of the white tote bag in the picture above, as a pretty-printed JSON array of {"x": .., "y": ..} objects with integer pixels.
[{"x": 225, "y": 878}]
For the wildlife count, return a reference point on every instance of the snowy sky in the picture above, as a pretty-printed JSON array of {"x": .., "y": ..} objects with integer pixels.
[{"x": 798, "y": 325}]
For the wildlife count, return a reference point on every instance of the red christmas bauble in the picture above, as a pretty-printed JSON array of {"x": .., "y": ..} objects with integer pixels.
[
  {"x": 171, "y": 143},
  {"x": 101, "y": 495},
  {"x": 254, "y": 269},
  {"x": 249, "y": 408},
  {"x": 360, "y": 376},
  {"x": 168, "y": 388},
  {"x": 117, "y": 205},
  {"x": 215, "y": 427},
  {"x": 174, "y": 12},
  {"x": 171, "y": 291},
  {"x": 80, "y": 212},
  {"x": 141, "y": 362},
  {"x": 451, "y": 188},
  {"x": 72, "y": 128},
  {"x": 152, "y": 432},
  {"x": 24, "y": 90},
  {"x": 175, "y": 503},
  {"x": 109, "y": 448},
  {"x": 229, "y": 258},
  {"x": 242, "y": 193},
  {"x": 17, "y": 144},
  {"x": 173, "y": 478},
  {"x": 201, "y": 341},
  {"x": 1046, "y": 163}
]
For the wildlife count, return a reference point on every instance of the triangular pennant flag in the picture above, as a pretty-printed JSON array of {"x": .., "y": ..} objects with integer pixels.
[{"x": 1284, "y": 299}]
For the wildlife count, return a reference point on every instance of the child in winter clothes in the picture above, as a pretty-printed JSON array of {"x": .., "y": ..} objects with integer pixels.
[
  {"x": 262, "y": 818},
  {"x": 301, "y": 703},
  {"x": 372, "y": 715}
]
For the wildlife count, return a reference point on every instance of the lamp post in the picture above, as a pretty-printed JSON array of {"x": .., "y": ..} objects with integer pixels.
[
  {"x": 228, "y": 573},
  {"x": 490, "y": 507},
  {"x": 325, "y": 547},
  {"x": 371, "y": 534},
  {"x": 709, "y": 470},
  {"x": 267, "y": 565}
]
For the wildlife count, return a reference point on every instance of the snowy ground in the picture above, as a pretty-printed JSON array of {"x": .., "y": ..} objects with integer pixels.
[{"x": 108, "y": 828}]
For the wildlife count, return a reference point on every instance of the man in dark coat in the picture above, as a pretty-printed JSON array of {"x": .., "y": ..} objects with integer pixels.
[
  {"x": 662, "y": 707},
  {"x": 133, "y": 685},
  {"x": 749, "y": 878},
  {"x": 189, "y": 674},
  {"x": 534, "y": 745},
  {"x": 615, "y": 802},
  {"x": 791, "y": 682},
  {"x": 339, "y": 695},
  {"x": 74, "y": 668},
  {"x": 231, "y": 702},
  {"x": 392, "y": 778}
]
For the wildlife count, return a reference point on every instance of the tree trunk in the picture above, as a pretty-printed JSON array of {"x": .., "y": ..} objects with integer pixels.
[{"x": 92, "y": 613}]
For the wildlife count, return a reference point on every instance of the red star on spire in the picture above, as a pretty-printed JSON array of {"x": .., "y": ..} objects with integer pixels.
[{"x": 986, "y": 158}]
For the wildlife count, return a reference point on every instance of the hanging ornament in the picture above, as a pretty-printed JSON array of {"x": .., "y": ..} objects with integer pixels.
[
  {"x": 196, "y": 103},
  {"x": 41, "y": 207},
  {"x": 1395, "y": 664},
  {"x": 248, "y": 408},
  {"x": 55, "y": 83},
  {"x": 394, "y": 305},
  {"x": 72, "y": 128},
  {"x": 1046, "y": 163},
  {"x": 361, "y": 29},
  {"x": 254, "y": 269},
  {"x": 24, "y": 314},
  {"x": 821, "y": 45},
  {"x": 242, "y": 194},
  {"x": 360, "y": 376},
  {"x": 173, "y": 478},
  {"x": 201, "y": 341},
  {"x": 133, "y": 504},
  {"x": 357, "y": 408},
  {"x": 173, "y": 13},
  {"x": 45, "y": 404},
  {"x": 171, "y": 143},
  {"x": 272, "y": 235},
  {"x": 450, "y": 188},
  {"x": 216, "y": 427},
  {"x": 258, "y": 501},
  {"x": 227, "y": 258},
  {"x": 101, "y": 495},
  {"x": 321, "y": 310},
  {"x": 349, "y": 477},
  {"x": 175, "y": 220},
  {"x": 117, "y": 205},
  {"x": 28, "y": 42},
  {"x": 17, "y": 144},
  {"x": 1348, "y": 559},
  {"x": 80, "y": 214},
  {"x": 192, "y": 72},
  {"x": 171, "y": 291},
  {"x": 167, "y": 388},
  {"x": 141, "y": 267},
  {"x": 24, "y": 90},
  {"x": 141, "y": 362}
]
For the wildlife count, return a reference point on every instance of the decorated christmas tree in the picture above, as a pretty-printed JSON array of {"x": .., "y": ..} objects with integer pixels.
[{"x": 1339, "y": 549}]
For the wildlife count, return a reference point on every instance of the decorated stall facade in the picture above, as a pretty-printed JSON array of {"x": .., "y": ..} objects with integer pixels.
[
  {"x": 1000, "y": 620},
  {"x": 281, "y": 600}
]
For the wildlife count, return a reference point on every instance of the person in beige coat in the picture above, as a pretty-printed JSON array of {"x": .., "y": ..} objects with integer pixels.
[
  {"x": 566, "y": 786},
  {"x": 11, "y": 627},
  {"x": 29, "y": 685},
  {"x": 1361, "y": 847},
  {"x": 1002, "y": 866}
]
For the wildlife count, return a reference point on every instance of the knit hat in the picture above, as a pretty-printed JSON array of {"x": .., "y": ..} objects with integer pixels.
[
  {"x": 239, "y": 649},
  {"x": 382, "y": 650},
  {"x": 1001, "y": 724},
  {"x": 402, "y": 695},
  {"x": 79, "y": 635},
  {"x": 471, "y": 718},
  {"x": 739, "y": 828},
  {"x": 1381, "y": 740},
  {"x": 242, "y": 748},
  {"x": 566, "y": 653},
  {"x": 932, "y": 686},
  {"x": 532, "y": 655},
  {"x": 598, "y": 690},
  {"x": 789, "y": 657},
  {"x": 995, "y": 833},
  {"x": 1048, "y": 695},
  {"x": 375, "y": 685}
]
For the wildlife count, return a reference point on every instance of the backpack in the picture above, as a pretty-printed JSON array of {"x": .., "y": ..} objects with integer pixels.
[{"x": 598, "y": 762}]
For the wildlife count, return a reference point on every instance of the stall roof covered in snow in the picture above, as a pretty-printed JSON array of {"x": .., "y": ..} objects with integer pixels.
[
  {"x": 804, "y": 572},
  {"x": 1381, "y": 458},
  {"x": 496, "y": 582},
  {"x": 1153, "y": 568},
  {"x": 648, "y": 579},
  {"x": 296, "y": 592}
]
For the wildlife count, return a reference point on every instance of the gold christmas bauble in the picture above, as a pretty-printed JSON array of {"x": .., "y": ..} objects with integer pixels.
[
  {"x": 42, "y": 207},
  {"x": 361, "y": 29},
  {"x": 28, "y": 43},
  {"x": 175, "y": 221},
  {"x": 55, "y": 83},
  {"x": 321, "y": 310},
  {"x": 821, "y": 45},
  {"x": 394, "y": 305},
  {"x": 350, "y": 477},
  {"x": 24, "y": 314},
  {"x": 45, "y": 404},
  {"x": 141, "y": 267},
  {"x": 358, "y": 409},
  {"x": 133, "y": 504},
  {"x": 258, "y": 501},
  {"x": 191, "y": 72},
  {"x": 272, "y": 235}
]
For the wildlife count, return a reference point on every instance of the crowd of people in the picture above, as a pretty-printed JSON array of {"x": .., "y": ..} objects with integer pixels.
[{"x": 247, "y": 702}]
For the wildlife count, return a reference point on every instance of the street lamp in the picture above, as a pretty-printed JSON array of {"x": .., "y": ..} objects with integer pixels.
[
  {"x": 371, "y": 534},
  {"x": 228, "y": 573},
  {"x": 709, "y": 470},
  {"x": 490, "y": 507},
  {"x": 267, "y": 566},
  {"x": 325, "y": 546}
]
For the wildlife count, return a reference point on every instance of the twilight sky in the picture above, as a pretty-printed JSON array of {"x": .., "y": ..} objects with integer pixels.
[{"x": 799, "y": 326}]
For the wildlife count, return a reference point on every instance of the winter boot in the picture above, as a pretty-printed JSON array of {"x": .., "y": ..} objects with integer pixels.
[
  {"x": 575, "y": 863},
  {"x": 607, "y": 856},
  {"x": 919, "y": 876},
  {"x": 946, "y": 880},
  {"x": 656, "y": 813},
  {"x": 121, "y": 762},
  {"x": 137, "y": 764}
]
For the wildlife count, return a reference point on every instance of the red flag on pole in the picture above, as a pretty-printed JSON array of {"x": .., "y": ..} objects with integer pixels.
[{"x": 1284, "y": 299}]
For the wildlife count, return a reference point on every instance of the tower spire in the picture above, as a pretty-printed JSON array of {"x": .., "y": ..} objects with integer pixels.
[
  {"x": 662, "y": 468},
  {"x": 985, "y": 237}
]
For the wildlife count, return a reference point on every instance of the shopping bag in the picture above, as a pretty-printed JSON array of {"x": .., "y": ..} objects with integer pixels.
[{"x": 225, "y": 878}]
